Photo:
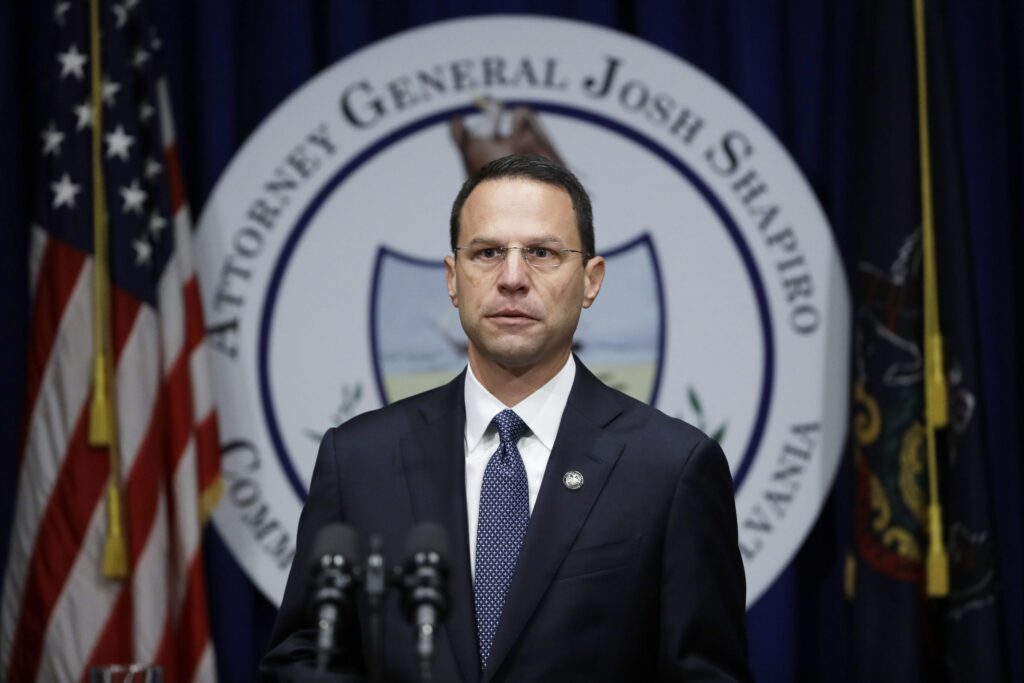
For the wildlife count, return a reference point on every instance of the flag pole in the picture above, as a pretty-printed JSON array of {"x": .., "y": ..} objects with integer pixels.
[
  {"x": 935, "y": 390},
  {"x": 103, "y": 407}
]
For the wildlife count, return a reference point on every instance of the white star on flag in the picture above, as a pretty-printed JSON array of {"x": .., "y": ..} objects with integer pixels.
[
  {"x": 110, "y": 89},
  {"x": 133, "y": 196},
  {"x": 143, "y": 251},
  {"x": 153, "y": 168},
  {"x": 118, "y": 143},
  {"x": 156, "y": 223},
  {"x": 120, "y": 15},
  {"x": 64, "y": 192},
  {"x": 59, "y": 10},
  {"x": 83, "y": 114},
  {"x": 146, "y": 111},
  {"x": 72, "y": 62},
  {"x": 140, "y": 57},
  {"x": 52, "y": 139}
]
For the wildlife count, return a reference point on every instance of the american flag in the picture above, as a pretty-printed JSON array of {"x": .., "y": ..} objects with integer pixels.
[{"x": 60, "y": 613}]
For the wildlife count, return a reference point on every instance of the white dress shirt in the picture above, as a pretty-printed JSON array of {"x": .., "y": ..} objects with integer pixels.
[{"x": 541, "y": 411}]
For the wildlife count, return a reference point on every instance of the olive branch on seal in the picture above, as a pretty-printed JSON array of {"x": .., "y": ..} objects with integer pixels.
[
  {"x": 701, "y": 420},
  {"x": 351, "y": 394}
]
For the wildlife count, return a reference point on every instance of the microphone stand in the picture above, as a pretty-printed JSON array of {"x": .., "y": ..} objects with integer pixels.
[
  {"x": 424, "y": 594},
  {"x": 375, "y": 586}
]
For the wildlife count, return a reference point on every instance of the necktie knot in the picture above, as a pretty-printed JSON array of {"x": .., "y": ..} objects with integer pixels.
[{"x": 510, "y": 427}]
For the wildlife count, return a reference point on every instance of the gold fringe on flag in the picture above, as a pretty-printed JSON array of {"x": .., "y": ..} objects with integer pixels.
[
  {"x": 935, "y": 393},
  {"x": 103, "y": 407},
  {"x": 850, "y": 577},
  {"x": 209, "y": 498}
]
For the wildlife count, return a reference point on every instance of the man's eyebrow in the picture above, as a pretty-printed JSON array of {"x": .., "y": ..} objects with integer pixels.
[{"x": 537, "y": 240}]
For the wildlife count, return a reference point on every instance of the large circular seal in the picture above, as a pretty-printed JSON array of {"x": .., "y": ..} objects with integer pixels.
[{"x": 321, "y": 246}]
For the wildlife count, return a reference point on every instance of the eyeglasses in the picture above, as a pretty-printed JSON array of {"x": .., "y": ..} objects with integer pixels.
[{"x": 545, "y": 259}]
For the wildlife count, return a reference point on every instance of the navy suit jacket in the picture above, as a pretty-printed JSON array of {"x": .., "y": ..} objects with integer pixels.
[{"x": 635, "y": 576}]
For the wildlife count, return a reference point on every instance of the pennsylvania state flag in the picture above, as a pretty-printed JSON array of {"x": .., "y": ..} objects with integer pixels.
[{"x": 906, "y": 626}]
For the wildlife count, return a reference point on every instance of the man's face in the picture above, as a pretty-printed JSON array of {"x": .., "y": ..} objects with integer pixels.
[{"x": 514, "y": 315}]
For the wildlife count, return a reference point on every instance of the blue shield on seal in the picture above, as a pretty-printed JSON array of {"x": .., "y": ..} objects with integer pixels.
[{"x": 418, "y": 342}]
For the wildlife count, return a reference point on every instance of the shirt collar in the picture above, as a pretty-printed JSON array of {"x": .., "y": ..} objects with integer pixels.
[{"x": 541, "y": 411}]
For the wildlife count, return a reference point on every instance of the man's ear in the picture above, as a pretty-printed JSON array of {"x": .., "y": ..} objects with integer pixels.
[
  {"x": 449, "y": 267},
  {"x": 593, "y": 276}
]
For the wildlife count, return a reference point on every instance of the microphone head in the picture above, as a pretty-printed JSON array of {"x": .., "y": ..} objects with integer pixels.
[
  {"x": 425, "y": 574},
  {"x": 335, "y": 539},
  {"x": 427, "y": 537}
]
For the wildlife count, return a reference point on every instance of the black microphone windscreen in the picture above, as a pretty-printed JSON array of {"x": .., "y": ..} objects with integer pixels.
[
  {"x": 336, "y": 539},
  {"x": 426, "y": 537}
]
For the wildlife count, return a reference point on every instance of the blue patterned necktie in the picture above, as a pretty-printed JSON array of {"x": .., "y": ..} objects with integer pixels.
[{"x": 504, "y": 516}]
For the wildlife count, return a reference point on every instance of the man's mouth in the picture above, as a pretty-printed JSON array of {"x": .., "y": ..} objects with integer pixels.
[{"x": 511, "y": 316}]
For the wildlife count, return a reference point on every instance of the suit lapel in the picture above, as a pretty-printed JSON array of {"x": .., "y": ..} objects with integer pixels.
[
  {"x": 559, "y": 513},
  {"x": 433, "y": 459}
]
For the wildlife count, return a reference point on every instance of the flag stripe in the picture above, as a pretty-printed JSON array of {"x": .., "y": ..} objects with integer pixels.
[
  {"x": 166, "y": 652},
  {"x": 59, "y": 275},
  {"x": 138, "y": 387},
  {"x": 206, "y": 671},
  {"x": 163, "y": 99},
  {"x": 179, "y": 407},
  {"x": 77, "y": 491},
  {"x": 124, "y": 309},
  {"x": 183, "y": 235},
  {"x": 194, "y": 331},
  {"x": 193, "y": 633},
  {"x": 49, "y": 434},
  {"x": 208, "y": 452},
  {"x": 171, "y": 302},
  {"x": 149, "y": 574},
  {"x": 186, "y": 636},
  {"x": 70, "y": 508},
  {"x": 146, "y": 501},
  {"x": 142, "y": 470},
  {"x": 167, "y": 655},
  {"x": 87, "y": 600},
  {"x": 115, "y": 647},
  {"x": 174, "y": 178},
  {"x": 37, "y": 243},
  {"x": 185, "y": 512}
]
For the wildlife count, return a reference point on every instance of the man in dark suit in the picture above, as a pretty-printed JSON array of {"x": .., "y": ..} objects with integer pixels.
[{"x": 592, "y": 537}]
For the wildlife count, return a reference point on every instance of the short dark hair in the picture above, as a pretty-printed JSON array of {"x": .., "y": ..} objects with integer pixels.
[{"x": 531, "y": 167}]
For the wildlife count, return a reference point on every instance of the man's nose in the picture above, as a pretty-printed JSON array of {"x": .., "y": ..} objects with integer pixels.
[{"x": 515, "y": 271}]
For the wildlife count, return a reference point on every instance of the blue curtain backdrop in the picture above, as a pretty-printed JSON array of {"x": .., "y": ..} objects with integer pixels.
[{"x": 230, "y": 62}]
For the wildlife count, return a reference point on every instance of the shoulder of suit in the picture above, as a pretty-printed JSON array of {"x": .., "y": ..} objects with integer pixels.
[
  {"x": 661, "y": 435},
  {"x": 636, "y": 413},
  {"x": 398, "y": 417}
]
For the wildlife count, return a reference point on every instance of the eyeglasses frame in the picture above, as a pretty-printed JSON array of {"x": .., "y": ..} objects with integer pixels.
[{"x": 504, "y": 251}]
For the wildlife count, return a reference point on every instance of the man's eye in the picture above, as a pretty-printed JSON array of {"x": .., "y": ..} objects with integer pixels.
[
  {"x": 542, "y": 253},
  {"x": 487, "y": 253}
]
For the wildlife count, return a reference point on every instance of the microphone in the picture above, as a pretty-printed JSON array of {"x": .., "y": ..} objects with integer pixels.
[
  {"x": 375, "y": 584},
  {"x": 335, "y": 556},
  {"x": 424, "y": 580}
]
